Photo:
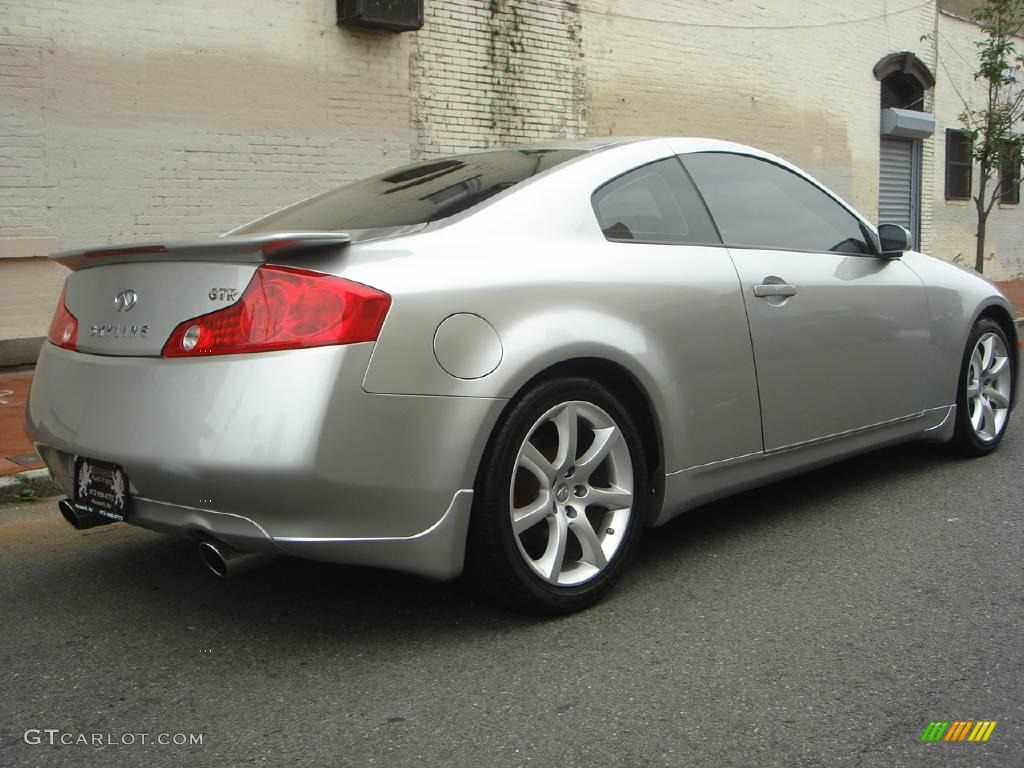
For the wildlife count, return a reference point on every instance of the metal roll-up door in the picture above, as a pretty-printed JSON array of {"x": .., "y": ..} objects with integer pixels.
[{"x": 896, "y": 191}]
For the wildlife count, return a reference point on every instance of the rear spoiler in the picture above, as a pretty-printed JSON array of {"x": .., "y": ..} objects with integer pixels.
[{"x": 233, "y": 248}]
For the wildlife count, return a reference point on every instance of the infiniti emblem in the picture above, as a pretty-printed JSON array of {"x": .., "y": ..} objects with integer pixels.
[{"x": 125, "y": 300}]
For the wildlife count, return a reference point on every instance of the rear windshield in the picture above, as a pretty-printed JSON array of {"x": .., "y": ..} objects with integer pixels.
[{"x": 415, "y": 194}]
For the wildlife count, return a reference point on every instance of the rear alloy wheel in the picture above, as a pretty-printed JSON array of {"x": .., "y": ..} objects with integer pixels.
[
  {"x": 569, "y": 508},
  {"x": 562, "y": 499},
  {"x": 986, "y": 390}
]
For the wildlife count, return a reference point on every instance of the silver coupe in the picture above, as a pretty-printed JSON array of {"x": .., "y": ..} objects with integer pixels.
[{"x": 509, "y": 362}]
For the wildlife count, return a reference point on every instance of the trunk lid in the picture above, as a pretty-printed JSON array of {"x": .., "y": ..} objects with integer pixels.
[{"x": 129, "y": 298}]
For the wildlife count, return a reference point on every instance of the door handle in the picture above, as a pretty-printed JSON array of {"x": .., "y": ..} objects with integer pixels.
[{"x": 768, "y": 290}]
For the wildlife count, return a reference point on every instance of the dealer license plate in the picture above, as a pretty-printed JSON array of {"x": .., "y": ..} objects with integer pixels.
[{"x": 100, "y": 488}]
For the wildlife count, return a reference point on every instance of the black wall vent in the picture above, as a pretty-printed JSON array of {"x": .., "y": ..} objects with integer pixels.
[{"x": 396, "y": 15}]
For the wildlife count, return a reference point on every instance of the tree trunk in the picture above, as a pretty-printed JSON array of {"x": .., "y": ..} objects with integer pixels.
[
  {"x": 979, "y": 204},
  {"x": 979, "y": 253}
]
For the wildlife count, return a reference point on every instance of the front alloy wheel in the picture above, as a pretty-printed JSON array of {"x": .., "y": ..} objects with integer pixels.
[
  {"x": 985, "y": 391},
  {"x": 988, "y": 387}
]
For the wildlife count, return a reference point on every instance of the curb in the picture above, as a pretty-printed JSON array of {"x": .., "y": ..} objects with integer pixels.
[
  {"x": 39, "y": 480},
  {"x": 20, "y": 351}
]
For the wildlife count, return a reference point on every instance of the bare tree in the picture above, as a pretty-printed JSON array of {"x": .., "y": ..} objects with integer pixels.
[{"x": 992, "y": 128}]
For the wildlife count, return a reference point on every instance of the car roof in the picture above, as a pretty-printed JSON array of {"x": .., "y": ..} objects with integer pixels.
[
  {"x": 593, "y": 143},
  {"x": 680, "y": 144},
  {"x": 596, "y": 154}
]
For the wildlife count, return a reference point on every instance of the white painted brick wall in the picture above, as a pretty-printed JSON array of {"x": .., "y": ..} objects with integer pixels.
[
  {"x": 28, "y": 293},
  {"x": 496, "y": 72},
  {"x": 145, "y": 119},
  {"x": 956, "y": 221}
]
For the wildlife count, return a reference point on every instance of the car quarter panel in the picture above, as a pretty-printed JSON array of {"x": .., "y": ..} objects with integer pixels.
[
  {"x": 287, "y": 439},
  {"x": 537, "y": 267}
]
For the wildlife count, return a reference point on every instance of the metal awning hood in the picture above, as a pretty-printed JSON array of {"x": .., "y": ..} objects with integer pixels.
[{"x": 907, "y": 123}]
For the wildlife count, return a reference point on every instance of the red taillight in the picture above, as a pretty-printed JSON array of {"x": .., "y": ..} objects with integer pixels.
[
  {"x": 64, "y": 326},
  {"x": 284, "y": 308}
]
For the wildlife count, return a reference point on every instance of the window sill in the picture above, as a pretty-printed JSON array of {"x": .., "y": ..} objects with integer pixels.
[
  {"x": 26, "y": 247},
  {"x": 958, "y": 202},
  {"x": 1011, "y": 206}
]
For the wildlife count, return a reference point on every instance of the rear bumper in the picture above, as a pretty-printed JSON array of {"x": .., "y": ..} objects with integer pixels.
[
  {"x": 436, "y": 553},
  {"x": 280, "y": 452}
]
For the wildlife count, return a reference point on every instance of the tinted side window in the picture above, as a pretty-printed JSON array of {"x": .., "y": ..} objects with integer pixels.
[
  {"x": 655, "y": 203},
  {"x": 759, "y": 204}
]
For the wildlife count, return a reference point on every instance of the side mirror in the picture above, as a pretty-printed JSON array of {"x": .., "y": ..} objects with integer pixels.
[{"x": 895, "y": 240}]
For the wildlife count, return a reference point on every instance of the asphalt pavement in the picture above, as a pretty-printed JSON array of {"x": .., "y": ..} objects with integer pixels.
[{"x": 822, "y": 621}]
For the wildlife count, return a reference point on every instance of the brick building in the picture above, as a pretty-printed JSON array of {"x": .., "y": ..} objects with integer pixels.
[{"x": 134, "y": 119}]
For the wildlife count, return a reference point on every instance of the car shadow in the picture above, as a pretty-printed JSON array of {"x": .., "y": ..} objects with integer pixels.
[
  {"x": 796, "y": 497},
  {"x": 159, "y": 582}
]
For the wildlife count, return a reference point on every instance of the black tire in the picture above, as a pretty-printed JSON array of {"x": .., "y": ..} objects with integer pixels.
[
  {"x": 494, "y": 560},
  {"x": 966, "y": 440}
]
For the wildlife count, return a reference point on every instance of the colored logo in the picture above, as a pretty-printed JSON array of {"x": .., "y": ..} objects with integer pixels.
[{"x": 958, "y": 730}]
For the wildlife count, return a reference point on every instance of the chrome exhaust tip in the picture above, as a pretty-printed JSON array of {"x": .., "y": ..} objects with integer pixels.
[
  {"x": 79, "y": 519},
  {"x": 224, "y": 560}
]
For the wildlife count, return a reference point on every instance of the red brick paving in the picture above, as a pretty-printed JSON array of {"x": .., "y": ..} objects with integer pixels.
[
  {"x": 1014, "y": 290},
  {"x": 13, "y": 443},
  {"x": 9, "y": 467}
]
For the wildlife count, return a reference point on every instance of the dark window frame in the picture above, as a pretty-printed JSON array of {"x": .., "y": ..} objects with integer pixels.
[
  {"x": 903, "y": 91},
  {"x": 1009, "y": 194},
  {"x": 953, "y": 163}
]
